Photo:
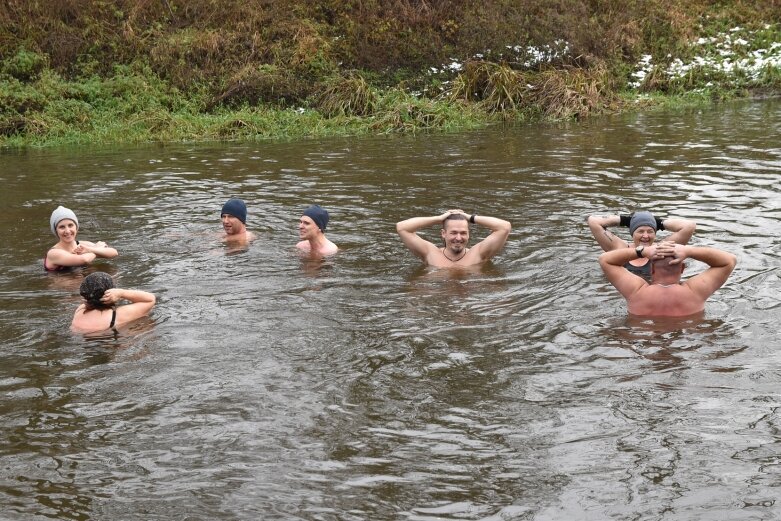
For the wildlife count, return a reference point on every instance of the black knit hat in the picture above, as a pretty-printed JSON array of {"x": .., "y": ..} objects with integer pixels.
[
  {"x": 236, "y": 208},
  {"x": 318, "y": 215}
]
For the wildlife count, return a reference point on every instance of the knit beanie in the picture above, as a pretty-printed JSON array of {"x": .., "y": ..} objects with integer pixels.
[
  {"x": 236, "y": 208},
  {"x": 58, "y": 215},
  {"x": 641, "y": 219},
  {"x": 318, "y": 215}
]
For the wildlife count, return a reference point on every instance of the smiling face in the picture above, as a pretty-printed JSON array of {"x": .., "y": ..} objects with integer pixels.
[
  {"x": 232, "y": 225},
  {"x": 455, "y": 233},
  {"x": 67, "y": 230},
  {"x": 644, "y": 236},
  {"x": 307, "y": 229}
]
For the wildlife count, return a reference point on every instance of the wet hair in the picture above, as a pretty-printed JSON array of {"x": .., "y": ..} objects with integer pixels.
[
  {"x": 454, "y": 217},
  {"x": 93, "y": 287}
]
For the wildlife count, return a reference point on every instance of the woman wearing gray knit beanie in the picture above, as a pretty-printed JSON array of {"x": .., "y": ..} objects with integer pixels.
[
  {"x": 643, "y": 226},
  {"x": 70, "y": 252}
]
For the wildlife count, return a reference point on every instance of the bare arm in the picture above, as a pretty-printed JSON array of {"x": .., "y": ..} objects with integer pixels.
[
  {"x": 721, "y": 265},
  {"x": 100, "y": 249},
  {"x": 607, "y": 240},
  {"x": 491, "y": 245},
  {"x": 681, "y": 230},
  {"x": 612, "y": 264},
  {"x": 59, "y": 257},
  {"x": 408, "y": 229},
  {"x": 142, "y": 303}
]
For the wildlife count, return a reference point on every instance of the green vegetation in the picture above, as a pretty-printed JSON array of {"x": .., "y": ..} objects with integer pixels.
[{"x": 121, "y": 71}]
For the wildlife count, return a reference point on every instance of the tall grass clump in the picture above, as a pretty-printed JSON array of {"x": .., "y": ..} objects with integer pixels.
[
  {"x": 574, "y": 93},
  {"x": 347, "y": 96},
  {"x": 495, "y": 87}
]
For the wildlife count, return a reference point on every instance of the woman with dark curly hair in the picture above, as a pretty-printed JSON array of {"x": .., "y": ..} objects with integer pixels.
[{"x": 98, "y": 312}]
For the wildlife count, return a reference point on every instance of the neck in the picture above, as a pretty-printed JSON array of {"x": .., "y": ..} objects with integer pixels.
[
  {"x": 452, "y": 257},
  {"x": 665, "y": 282},
  {"x": 317, "y": 241},
  {"x": 67, "y": 246}
]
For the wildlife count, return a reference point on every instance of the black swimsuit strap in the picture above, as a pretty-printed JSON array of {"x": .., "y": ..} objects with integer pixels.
[{"x": 113, "y": 317}]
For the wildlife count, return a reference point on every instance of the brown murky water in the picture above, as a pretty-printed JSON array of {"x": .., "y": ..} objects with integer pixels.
[{"x": 366, "y": 387}]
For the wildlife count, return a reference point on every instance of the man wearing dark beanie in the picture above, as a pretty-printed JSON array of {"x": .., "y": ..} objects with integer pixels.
[
  {"x": 234, "y": 222},
  {"x": 311, "y": 228}
]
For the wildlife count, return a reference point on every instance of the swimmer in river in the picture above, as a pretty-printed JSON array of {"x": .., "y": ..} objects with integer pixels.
[
  {"x": 234, "y": 223},
  {"x": 70, "y": 252},
  {"x": 666, "y": 295},
  {"x": 455, "y": 235},
  {"x": 311, "y": 231},
  {"x": 643, "y": 227},
  {"x": 99, "y": 313}
]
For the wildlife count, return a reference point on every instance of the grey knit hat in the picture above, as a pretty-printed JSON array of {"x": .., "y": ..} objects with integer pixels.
[
  {"x": 58, "y": 215},
  {"x": 642, "y": 219}
]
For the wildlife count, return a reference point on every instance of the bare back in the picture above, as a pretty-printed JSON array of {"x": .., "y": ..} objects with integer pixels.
[{"x": 677, "y": 300}]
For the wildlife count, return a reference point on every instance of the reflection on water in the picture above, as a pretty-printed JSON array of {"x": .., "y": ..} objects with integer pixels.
[{"x": 270, "y": 385}]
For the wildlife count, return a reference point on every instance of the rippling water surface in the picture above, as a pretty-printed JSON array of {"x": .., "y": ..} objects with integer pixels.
[{"x": 266, "y": 386}]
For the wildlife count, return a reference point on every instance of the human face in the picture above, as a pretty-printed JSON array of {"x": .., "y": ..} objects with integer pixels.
[
  {"x": 644, "y": 236},
  {"x": 456, "y": 235},
  {"x": 67, "y": 230},
  {"x": 232, "y": 225},
  {"x": 307, "y": 229}
]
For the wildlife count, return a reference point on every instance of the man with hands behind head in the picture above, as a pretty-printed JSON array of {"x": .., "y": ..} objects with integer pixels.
[
  {"x": 455, "y": 234},
  {"x": 666, "y": 295}
]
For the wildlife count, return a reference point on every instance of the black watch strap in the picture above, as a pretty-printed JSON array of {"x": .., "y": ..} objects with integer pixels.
[{"x": 639, "y": 251}]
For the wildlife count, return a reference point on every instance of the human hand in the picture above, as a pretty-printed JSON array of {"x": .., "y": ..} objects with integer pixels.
[
  {"x": 451, "y": 212},
  {"x": 111, "y": 296},
  {"x": 679, "y": 253},
  {"x": 670, "y": 249},
  {"x": 100, "y": 244},
  {"x": 80, "y": 249}
]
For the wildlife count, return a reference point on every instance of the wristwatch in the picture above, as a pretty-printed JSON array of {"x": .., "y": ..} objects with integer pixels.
[{"x": 639, "y": 251}]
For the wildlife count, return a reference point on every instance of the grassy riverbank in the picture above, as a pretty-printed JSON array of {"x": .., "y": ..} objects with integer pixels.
[{"x": 136, "y": 71}]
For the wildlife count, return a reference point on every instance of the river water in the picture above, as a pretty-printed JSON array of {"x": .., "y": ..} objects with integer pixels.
[{"x": 267, "y": 386}]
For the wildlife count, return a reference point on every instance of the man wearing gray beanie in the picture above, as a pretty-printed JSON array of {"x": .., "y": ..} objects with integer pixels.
[
  {"x": 643, "y": 227},
  {"x": 311, "y": 231}
]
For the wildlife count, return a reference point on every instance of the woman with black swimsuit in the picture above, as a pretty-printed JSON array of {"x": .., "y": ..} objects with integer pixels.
[{"x": 99, "y": 313}]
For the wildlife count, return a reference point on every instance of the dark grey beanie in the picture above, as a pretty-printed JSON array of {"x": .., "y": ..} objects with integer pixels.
[{"x": 642, "y": 219}]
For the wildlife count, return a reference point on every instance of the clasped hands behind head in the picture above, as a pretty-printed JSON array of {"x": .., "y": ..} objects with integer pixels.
[{"x": 666, "y": 249}]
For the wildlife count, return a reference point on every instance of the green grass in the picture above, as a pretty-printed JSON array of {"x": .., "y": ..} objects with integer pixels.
[{"x": 77, "y": 73}]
